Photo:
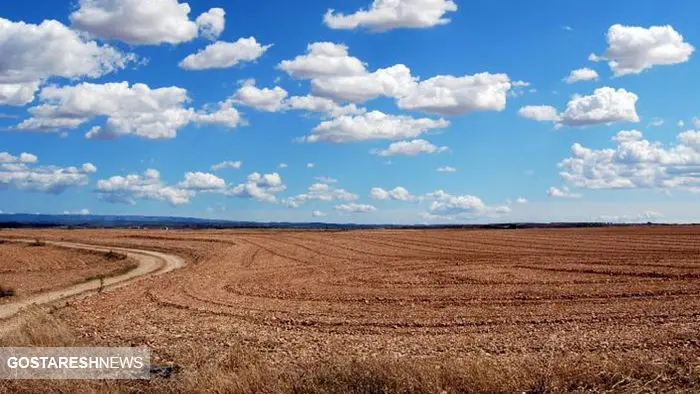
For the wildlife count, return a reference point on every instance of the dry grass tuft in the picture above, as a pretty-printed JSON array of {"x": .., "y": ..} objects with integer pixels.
[{"x": 38, "y": 328}]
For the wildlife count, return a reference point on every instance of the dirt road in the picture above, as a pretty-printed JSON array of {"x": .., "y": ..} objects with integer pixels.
[{"x": 149, "y": 263}]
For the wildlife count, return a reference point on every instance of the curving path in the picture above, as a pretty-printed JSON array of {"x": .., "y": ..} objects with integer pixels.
[{"x": 150, "y": 263}]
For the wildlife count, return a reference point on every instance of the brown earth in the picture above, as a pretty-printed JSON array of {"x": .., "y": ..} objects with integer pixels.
[
  {"x": 31, "y": 268},
  {"x": 620, "y": 304}
]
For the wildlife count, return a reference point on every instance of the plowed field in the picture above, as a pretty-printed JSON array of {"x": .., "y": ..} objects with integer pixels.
[{"x": 305, "y": 295}]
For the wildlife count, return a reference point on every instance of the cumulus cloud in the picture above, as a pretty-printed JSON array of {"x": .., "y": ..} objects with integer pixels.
[
  {"x": 140, "y": 22},
  {"x": 225, "y": 54},
  {"x": 261, "y": 187},
  {"x": 323, "y": 59},
  {"x": 398, "y": 193},
  {"x": 355, "y": 208},
  {"x": 385, "y": 15},
  {"x": 336, "y": 75},
  {"x": 448, "y": 206},
  {"x": 138, "y": 110},
  {"x": 562, "y": 192},
  {"x": 656, "y": 122},
  {"x": 446, "y": 169},
  {"x": 32, "y": 54},
  {"x": 148, "y": 186},
  {"x": 201, "y": 182},
  {"x": 23, "y": 173},
  {"x": 395, "y": 81},
  {"x": 540, "y": 113},
  {"x": 636, "y": 163},
  {"x": 211, "y": 23},
  {"x": 270, "y": 100},
  {"x": 275, "y": 100},
  {"x": 373, "y": 125},
  {"x": 521, "y": 200},
  {"x": 18, "y": 94},
  {"x": 320, "y": 192},
  {"x": 449, "y": 95},
  {"x": 581, "y": 74},
  {"x": 227, "y": 164},
  {"x": 605, "y": 106},
  {"x": 633, "y": 49},
  {"x": 409, "y": 148},
  {"x": 282, "y": 166}
]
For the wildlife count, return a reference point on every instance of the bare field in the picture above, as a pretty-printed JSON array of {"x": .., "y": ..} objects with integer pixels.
[
  {"x": 29, "y": 269},
  {"x": 530, "y": 310}
]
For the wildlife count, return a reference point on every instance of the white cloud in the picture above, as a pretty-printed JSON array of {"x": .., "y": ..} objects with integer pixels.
[
  {"x": 410, "y": 148},
  {"x": 395, "y": 81},
  {"x": 140, "y": 22},
  {"x": 227, "y": 164},
  {"x": 282, "y": 166},
  {"x": 320, "y": 192},
  {"x": 449, "y": 95},
  {"x": 398, "y": 193},
  {"x": 605, "y": 106},
  {"x": 372, "y": 125},
  {"x": 636, "y": 163},
  {"x": 562, "y": 192},
  {"x": 32, "y": 54},
  {"x": 265, "y": 99},
  {"x": 18, "y": 94},
  {"x": 336, "y": 75},
  {"x": 22, "y": 173},
  {"x": 681, "y": 124},
  {"x": 137, "y": 110},
  {"x": 83, "y": 211},
  {"x": 521, "y": 200},
  {"x": 355, "y": 208},
  {"x": 262, "y": 187},
  {"x": 633, "y": 49},
  {"x": 581, "y": 74},
  {"x": 211, "y": 23},
  {"x": 446, "y": 169},
  {"x": 323, "y": 59},
  {"x": 202, "y": 181},
  {"x": 385, "y": 15},
  {"x": 645, "y": 216},
  {"x": 446, "y": 205},
  {"x": 310, "y": 165},
  {"x": 540, "y": 113},
  {"x": 318, "y": 214},
  {"x": 149, "y": 186},
  {"x": 225, "y": 54}
]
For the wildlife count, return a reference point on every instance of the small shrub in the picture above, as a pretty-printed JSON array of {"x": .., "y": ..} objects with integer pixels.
[
  {"x": 7, "y": 292},
  {"x": 38, "y": 242},
  {"x": 112, "y": 255}
]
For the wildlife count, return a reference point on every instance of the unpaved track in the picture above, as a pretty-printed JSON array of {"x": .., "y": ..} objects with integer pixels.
[{"x": 149, "y": 263}]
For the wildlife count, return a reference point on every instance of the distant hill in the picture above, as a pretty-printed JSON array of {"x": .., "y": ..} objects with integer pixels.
[{"x": 23, "y": 220}]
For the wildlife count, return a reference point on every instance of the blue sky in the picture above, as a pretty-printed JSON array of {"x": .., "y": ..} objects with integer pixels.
[{"x": 401, "y": 88}]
